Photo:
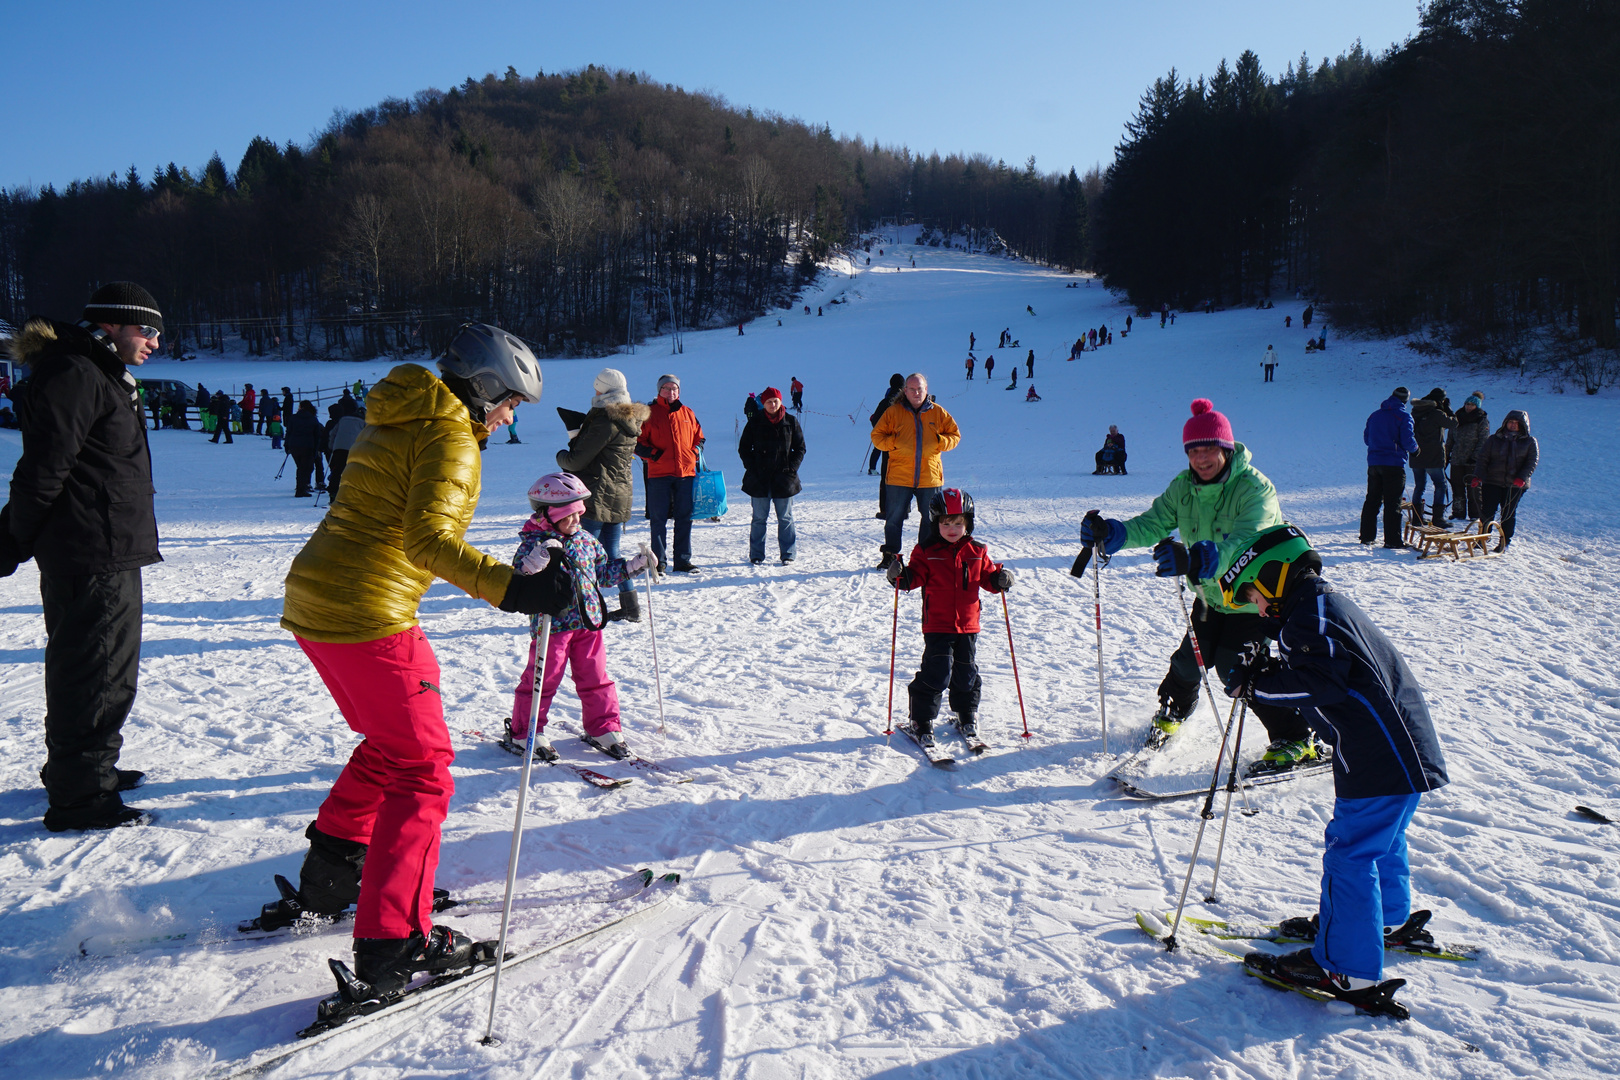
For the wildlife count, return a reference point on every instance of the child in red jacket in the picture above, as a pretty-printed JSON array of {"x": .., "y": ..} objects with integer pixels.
[{"x": 950, "y": 568}]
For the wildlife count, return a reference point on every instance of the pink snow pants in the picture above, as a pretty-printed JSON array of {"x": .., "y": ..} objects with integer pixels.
[
  {"x": 598, "y": 696},
  {"x": 395, "y": 791}
]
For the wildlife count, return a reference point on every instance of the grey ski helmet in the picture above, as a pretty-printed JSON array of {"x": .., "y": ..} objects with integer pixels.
[{"x": 493, "y": 363}]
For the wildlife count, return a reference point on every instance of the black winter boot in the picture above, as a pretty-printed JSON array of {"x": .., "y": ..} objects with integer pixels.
[
  {"x": 389, "y": 964},
  {"x": 330, "y": 878},
  {"x": 629, "y": 608}
]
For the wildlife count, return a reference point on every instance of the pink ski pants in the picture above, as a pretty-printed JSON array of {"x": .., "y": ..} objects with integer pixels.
[
  {"x": 395, "y": 791},
  {"x": 598, "y": 696}
]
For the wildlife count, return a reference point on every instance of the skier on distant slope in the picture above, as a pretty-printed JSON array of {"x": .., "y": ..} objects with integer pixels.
[
  {"x": 1217, "y": 500},
  {"x": 409, "y": 491},
  {"x": 1346, "y": 679}
]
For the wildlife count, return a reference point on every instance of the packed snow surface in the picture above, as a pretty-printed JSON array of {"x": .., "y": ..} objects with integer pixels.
[{"x": 847, "y": 910}]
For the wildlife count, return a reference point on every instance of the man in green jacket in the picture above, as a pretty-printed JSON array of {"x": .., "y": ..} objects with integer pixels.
[{"x": 1215, "y": 503}]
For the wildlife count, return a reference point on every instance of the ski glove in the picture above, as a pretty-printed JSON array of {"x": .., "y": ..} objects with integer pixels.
[
  {"x": 1473, "y": 481},
  {"x": 637, "y": 564},
  {"x": 1003, "y": 579},
  {"x": 538, "y": 559},
  {"x": 1518, "y": 482},
  {"x": 11, "y": 555},
  {"x": 1108, "y": 532},
  {"x": 1198, "y": 562},
  {"x": 550, "y": 592},
  {"x": 896, "y": 568},
  {"x": 1254, "y": 661}
]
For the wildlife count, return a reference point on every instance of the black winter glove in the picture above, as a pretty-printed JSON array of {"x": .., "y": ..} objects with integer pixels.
[
  {"x": 11, "y": 556},
  {"x": 1003, "y": 579},
  {"x": 896, "y": 571},
  {"x": 1255, "y": 660},
  {"x": 550, "y": 592}
]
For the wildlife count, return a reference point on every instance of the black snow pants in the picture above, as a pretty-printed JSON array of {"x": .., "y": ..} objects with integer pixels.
[
  {"x": 1385, "y": 483},
  {"x": 307, "y": 461},
  {"x": 948, "y": 660},
  {"x": 92, "y": 658},
  {"x": 1221, "y": 638}
]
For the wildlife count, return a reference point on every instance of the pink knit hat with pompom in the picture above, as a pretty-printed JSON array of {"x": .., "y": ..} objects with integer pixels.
[{"x": 1206, "y": 428}]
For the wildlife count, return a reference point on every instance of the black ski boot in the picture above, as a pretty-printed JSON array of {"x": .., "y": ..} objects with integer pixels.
[
  {"x": 291, "y": 910},
  {"x": 968, "y": 725},
  {"x": 387, "y": 965},
  {"x": 1299, "y": 970}
]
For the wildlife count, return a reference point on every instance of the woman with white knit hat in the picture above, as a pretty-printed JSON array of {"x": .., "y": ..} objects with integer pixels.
[{"x": 601, "y": 454}]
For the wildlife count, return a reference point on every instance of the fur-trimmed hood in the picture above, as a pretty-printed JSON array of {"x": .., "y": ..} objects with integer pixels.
[
  {"x": 628, "y": 414},
  {"x": 40, "y": 338}
]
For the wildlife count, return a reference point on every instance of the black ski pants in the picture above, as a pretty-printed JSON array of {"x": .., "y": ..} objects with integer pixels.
[
  {"x": 307, "y": 461},
  {"x": 948, "y": 661},
  {"x": 1465, "y": 500},
  {"x": 1221, "y": 638},
  {"x": 340, "y": 458},
  {"x": 92, "y": 658},
  {"x": 1385, "y": 484},
  {"x": 1494, "y": 496}
]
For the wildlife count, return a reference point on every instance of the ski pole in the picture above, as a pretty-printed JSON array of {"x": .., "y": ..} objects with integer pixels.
[
  {"x": 1079, "y": 570},
  {"x": 658, "y": 682},
  {"x": 1014, "y": 654},
  {"x": 1198, "y": 654},
  {"x": 1170, "y": 943},
  {"x": 539, "y": 639},
  {"x": 1226, "y": 814},
  {"x": 283, "y": 467},
  {"x": 894, "y": 637}
]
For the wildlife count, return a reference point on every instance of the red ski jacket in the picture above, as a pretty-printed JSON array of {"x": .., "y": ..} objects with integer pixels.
[{"x": 950, "y": 576}]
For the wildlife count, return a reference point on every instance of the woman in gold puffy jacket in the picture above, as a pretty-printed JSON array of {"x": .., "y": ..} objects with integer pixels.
[{"x": 409, "y": 490}]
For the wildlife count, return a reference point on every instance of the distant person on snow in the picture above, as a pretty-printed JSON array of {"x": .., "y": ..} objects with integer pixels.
[
  {"x": 1431, "y": 419},
  {"x": 1029, "y": 365},
  {"x": 771, "y": 448},
  {"x": 914, "y": 431},
  {"x": 575, "y": 641},
  {"x": 1032, "y": 395},
  {"x": 1269, "y": 362},
  {"x": 989, "y": 367},
  {"x": 1219, "y": 498},
  {"x": 306, "y": 442},
  {"x": 351, "y": 603},
  {"x": 1014, "y": 384},
  {"x": 1389, "y": 438},
  {"x": 750, "y": 407},
  {"x": 1127, "y": 324},
  {"x": 950, "y": 567},
  {"x": 1305, "y": 319},
  {"x": 1462, "y": 448},
  {"x": 796, "y": 388},
  {"x": 1502, "y": 472},
  {"x": 1111, "y": 458},
  {"x": 1029, "y": 309},
  {"x": 1344, "y": 675},
  {"x": 969, "y": 365},
  {"x": 669, "y": 441},
  {"x": 897, "y": 386}
]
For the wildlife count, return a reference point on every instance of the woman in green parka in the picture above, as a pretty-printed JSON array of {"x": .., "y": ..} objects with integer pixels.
[{"x": 1216, "y": 502}]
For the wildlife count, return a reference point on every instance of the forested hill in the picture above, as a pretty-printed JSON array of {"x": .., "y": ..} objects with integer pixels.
[
  {"x": 1469, "y": 177},
  {"x": 558, "y": 206}
]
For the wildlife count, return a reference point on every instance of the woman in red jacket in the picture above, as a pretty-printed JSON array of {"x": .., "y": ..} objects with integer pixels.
[{"x": 669, "y": 442}]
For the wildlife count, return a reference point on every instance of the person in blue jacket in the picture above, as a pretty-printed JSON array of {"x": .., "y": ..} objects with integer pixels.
[
  {"x": 1357, "y": 694},
  {"x": 1390, "y": 442}
]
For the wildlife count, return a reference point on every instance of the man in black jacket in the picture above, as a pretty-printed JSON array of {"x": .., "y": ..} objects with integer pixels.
[
  {"x": 81, "y": 507},
  {"x": 306, "y": 442}
]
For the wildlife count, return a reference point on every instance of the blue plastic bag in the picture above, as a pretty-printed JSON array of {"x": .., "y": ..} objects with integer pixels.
[{"x": 708, "y": 492}]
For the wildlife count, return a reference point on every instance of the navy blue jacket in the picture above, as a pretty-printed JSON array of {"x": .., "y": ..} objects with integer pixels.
[
  {"x": 1354, "y": 690},
  {"x": 1389, "y": 435}
]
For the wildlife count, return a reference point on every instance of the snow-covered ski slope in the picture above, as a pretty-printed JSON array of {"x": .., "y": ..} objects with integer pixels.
[{"x": 849, "y": 911}]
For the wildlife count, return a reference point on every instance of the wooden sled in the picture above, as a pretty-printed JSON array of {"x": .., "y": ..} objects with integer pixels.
[{"x": 1477, "y": 541}]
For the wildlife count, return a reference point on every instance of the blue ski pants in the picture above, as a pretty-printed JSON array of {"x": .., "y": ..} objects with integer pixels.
[{"x": 1366, "y": 883}]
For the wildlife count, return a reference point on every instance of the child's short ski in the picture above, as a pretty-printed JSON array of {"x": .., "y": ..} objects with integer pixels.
[
  {"x": 933, "y": 753},
  {"x": 306, "y": 923},
  {"x": 1588, "y": 812},
  {"x": 588, "y": 922},
  {"x": 975, "y": 744},
  {"x": 1410, "y": 938},
  {"x": 1136, "y": 787},
  {"x": 636, "y": 761},
  {"x": 590, "y": 776},
  {"x": 1261, "y": 966}
]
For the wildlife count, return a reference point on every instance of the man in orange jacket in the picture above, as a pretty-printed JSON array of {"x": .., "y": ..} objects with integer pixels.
[
  {"x": 914, "y": 432},
  {"x": 669, "y": 442}
]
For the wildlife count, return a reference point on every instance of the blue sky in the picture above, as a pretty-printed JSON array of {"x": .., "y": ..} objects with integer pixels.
[{"x": 92, "y": 87}]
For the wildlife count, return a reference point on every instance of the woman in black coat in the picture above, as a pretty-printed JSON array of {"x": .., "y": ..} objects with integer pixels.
[{"x": 771, "y": 447}]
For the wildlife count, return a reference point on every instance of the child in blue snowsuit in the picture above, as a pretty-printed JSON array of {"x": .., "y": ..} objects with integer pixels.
[{"x": 1357, "y": 694}]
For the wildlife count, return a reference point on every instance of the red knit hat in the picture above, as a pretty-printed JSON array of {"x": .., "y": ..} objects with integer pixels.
[
  {"x": 771, "y": 392},
  {"x": 1206, "y": 428}
]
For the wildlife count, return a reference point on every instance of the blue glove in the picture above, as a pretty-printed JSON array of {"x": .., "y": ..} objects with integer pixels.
[
  {"x": 1205, "y": 561},
  {"x": 1172, "y": 558},
  {"x": 1095, "y": 528}
]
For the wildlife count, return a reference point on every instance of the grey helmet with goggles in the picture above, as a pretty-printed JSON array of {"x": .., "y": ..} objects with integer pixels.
[
  {"x": 485, "y": 365},
  {"x": 1271, "y": 560}
]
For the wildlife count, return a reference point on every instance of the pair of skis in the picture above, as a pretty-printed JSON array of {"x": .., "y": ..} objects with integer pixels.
[
  {"x": 938, "y": 757},
  {"x": 590, "y": 776}
]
